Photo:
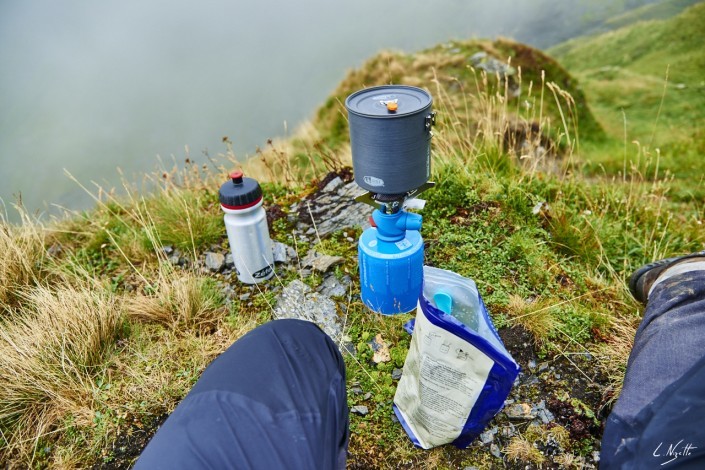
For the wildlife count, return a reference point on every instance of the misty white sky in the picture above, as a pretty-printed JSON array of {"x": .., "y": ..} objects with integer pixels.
[{"x": 92, "y": 86}]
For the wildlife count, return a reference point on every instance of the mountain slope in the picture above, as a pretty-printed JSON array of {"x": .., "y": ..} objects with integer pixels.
[{"x": 632, "y": 69}]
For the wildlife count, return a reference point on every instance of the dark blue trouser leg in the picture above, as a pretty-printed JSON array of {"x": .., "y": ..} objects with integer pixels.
[
  {"x": 662, "y": 404},
  {"x": 275, "y": 399}
]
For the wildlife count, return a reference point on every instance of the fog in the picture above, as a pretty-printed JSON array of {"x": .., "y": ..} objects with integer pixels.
[{"x": 93, "y": 86}]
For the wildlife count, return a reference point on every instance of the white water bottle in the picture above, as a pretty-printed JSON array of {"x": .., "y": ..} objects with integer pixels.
[{"x": 246, "y": 225}]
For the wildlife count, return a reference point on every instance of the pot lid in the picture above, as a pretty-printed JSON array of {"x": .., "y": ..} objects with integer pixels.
[{"x": 388, "y": 101}]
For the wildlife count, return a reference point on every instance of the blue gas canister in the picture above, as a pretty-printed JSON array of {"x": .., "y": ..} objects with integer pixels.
[{"x": 390, "y": 255}]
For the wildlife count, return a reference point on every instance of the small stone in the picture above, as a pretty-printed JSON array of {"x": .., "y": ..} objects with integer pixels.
[
  {"x": 331, "y": 287},
  {"x": 167, "y": 249},
  {"x": 333, "y": 185},
  {"x": 244, "y": 297},
  {"x": 545, "y": 416},
  {"x": 174, "y": 260},
  {"x": 543, "y": 366},
  {"x": 508, "y": 431},
  {"x": 494, "y": 450},
  {"x": 229, "y": 263},
  {"x": 349, "y": 348},
  {"x": 361, "y": 410},
  {"x": 229, "y": 292},
  {"x": 596, "y": 456},
  {"x": 532, "y": 364},
  {"x": 558, "y": 376},
  {"x": 530, "y": 380},
  {"x": 381, "y": 350},
  {"x": 519, "y": 411},
  {"x": 477, "y": 57},
  {"x": 297, "y": 301},
  {"x": 487, "y": 437},
  {"x": 366, "y": 396},
  {"x": 320, "y": 262},
  {"x": 215, "y": 261},
  {"x": 279, "y": 252},
  {"x": 350, "y": 239},
  {"x": 394, "y": 418},
  {"x": 396, "y": 374}
]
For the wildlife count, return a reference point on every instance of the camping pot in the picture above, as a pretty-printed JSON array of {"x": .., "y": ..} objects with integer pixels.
[{"x": 390, "y": 137}]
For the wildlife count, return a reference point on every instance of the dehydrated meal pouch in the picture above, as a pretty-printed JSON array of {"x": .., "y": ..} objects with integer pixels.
[{"x": 457, "y": 374}]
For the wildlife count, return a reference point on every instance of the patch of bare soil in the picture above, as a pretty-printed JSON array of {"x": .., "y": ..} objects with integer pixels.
[{"x": 123, "y": 452}]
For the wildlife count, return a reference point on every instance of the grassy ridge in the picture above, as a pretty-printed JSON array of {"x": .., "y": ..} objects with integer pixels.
[
  {"x": 645, "y": 84},
  {"x": 100, "y": 335}
]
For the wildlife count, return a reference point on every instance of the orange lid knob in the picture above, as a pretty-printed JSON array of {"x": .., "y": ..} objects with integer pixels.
[{"x": 392, "y": 106}]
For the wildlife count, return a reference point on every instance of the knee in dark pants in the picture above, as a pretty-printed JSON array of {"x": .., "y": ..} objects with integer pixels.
[{"x": 275, "y": 398}]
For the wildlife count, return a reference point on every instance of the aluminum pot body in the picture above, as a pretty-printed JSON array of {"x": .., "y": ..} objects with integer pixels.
[{"x": 391, "y": 151}]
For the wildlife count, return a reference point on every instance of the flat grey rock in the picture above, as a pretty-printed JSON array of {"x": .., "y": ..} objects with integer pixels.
[
  {"x": 361, "y": 410},
  {"x": 320, "y": 262},
  {"x": 348, "y": 347},
  {"x": 487, "y": 437},
  {"x": 333, "y": 185},
  {"x": 542, "y": 413},
  {"x": 335, "y": 208},
  {"x": 280, "y": 252},
  {"x": 215, "y": 261},
  {"x": 396, "y": 374},
  {"x": 520, "y": 411},
  {"x": 332, "y": 287},
  {"x": 297, "y": 301},
  {"x": 508, "y": 431}
]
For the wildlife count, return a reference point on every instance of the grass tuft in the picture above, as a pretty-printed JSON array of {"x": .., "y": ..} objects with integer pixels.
[
  {"x": 180, "y": 301},
  {"x": 21, "y": 256},
  {"x": 51, "y": 349},
  {"x": 521, "y": 450}
]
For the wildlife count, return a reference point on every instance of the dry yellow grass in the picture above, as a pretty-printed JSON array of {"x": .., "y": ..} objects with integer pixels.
[
  {"x": 521, "y": 450},
  {"x": 51, "y": 348},
  {"x": 180, "y": 301},
  {"x": 612, "y": 355},
  {"x": 21, "y": 255},
  {"x": 535, "y": 316}
]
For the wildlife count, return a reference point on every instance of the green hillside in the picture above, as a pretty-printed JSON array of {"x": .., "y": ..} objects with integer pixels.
[{"x": 647, "y": 76}]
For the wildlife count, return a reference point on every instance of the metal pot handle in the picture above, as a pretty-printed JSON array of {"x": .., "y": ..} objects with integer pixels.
[{"x": 430, "y": 121}]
